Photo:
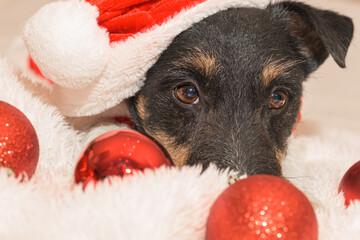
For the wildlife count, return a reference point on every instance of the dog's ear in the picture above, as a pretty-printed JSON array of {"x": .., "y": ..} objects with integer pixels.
[{"x": 318, "y": 33}]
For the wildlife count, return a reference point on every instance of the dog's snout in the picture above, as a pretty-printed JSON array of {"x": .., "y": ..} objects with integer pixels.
[{"x": 243, "y": 149}]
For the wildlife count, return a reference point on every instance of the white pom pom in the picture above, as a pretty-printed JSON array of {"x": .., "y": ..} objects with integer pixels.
[{"x": 67, "y": 44}]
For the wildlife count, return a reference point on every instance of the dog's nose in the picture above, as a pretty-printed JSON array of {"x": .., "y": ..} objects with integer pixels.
[{"x": 255, "y": 165}]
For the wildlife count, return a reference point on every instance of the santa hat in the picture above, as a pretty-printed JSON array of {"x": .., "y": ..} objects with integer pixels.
[{"x": 97, "y": 52}]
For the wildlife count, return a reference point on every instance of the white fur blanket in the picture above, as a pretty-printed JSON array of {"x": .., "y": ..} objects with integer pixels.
[{"x": 168, "y": 203}]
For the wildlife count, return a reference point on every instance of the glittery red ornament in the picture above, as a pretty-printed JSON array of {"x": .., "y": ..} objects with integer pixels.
[
  {"x": 262, "y": 207},
  {"x": 119, "y": 153},
  {"x": 350, "y": 184},
  {"x": 19, "y": 145}
]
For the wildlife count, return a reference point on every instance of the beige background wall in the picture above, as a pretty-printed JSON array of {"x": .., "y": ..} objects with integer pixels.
[{"x": 332, "y": 95}]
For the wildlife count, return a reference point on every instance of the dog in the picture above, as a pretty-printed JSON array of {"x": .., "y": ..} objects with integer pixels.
[{"x": 228, "y": 90}]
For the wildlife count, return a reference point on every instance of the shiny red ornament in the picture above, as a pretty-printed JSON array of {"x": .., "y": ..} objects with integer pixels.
[
  {"x": 19, "y": 145},
  {"x": 118, "y": 153},
  {"x": 262, "y": 207},
  {"x": 350, "y": 184}
]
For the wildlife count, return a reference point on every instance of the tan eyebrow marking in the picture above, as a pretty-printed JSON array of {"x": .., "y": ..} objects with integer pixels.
[
  {"x": 275, "y": 68},
  {"x": 202, "y": 61}
]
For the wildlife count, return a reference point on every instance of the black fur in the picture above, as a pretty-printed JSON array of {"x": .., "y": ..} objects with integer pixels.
[{"x": 232, "y": 126}]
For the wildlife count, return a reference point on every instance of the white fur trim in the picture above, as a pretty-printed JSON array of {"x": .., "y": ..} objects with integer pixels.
[
  {"x": 128, "y": 61},
  {"x": 158, "y": 205},
  {"x": 67, "y": 44},
  {"x": 53, "y": 133}
]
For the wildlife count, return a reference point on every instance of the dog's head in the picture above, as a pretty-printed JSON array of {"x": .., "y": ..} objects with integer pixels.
[{"x": 227, "y": 90}]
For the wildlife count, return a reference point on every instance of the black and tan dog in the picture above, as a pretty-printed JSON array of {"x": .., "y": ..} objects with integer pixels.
[{"x": 227, "y": 90}]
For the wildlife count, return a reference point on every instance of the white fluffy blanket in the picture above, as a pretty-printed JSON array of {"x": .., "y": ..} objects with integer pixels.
[{"x": 168, "y": 203}]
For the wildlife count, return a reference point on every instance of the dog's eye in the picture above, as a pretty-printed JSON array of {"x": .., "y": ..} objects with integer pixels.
[
  {"x": 187, "y": 94},
  {"x": 278, "y": 99}
]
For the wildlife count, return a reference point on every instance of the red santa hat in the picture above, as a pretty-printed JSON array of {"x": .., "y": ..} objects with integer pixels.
[{"x": 97, "y": 52}]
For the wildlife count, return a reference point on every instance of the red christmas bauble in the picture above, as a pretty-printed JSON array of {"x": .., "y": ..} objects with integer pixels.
[
  {"x": 262, "y": 207},
  {"x": 350, "y": 184},
  {"x": 19, "y": 145},
  {"x": 118, "y": 153}
]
